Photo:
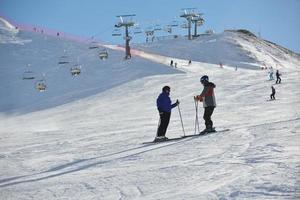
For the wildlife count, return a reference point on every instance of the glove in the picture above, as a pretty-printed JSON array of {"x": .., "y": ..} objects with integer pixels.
[
  {"x": 198, "y": 98},
  {"x": 177, "y": 102}
]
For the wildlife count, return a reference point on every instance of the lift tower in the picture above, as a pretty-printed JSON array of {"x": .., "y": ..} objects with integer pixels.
[
  {"x": 189, "y": 14},
  {"x": 126, "y": 21},
  {"x": 198, "y": 21}
]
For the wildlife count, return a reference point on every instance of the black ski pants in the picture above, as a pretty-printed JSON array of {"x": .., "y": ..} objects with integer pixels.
[
  {"x": 163, "y": 123},
  {"x": 208, "y": 111},
  {"x": 278, "y": 80},
  {"x": 272, "y": 96}
]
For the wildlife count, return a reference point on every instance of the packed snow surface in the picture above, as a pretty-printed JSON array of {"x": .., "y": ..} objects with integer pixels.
[{"x": 82, "y": 137}]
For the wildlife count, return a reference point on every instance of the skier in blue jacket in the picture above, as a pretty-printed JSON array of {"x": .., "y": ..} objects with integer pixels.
[{"x": 164, "y": 106}]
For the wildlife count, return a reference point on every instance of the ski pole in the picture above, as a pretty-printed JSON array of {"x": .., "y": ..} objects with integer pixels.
[
  {"x": 196, "y": 119},
  {"x": 181, "y": 120}
]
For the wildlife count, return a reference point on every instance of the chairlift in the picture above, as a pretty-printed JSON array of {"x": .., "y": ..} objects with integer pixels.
[
  {"x": 157, "y": 27},
  {"x": 149, "y": 32},
  {"x": 76, "y": 70},
  {"x": 200, "y": 22},
  {"x": 168, "y": 28},
  {"x": 209, "y": 32},
  {"x": 137, "y": 30},
  {"x": 63, "y": 60},
  {"x": 184, "y": 25},
  {"x": 28, "y": 75},
  {"x": 40, "y": 85},
  {"x": 103, "y": 55},
  {"x": 116, "y": 32},
  {"x": 174, "y": 23},
  {"x": 93, "y": 45}
]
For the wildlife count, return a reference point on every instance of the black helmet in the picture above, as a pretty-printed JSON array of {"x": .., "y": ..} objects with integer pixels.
[
  {"x": 204, "y": 79},
  {"x": 166, "y": 88}
]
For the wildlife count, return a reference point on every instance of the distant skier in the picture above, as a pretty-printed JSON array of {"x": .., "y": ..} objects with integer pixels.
[
  {"x": 271, "y": 72},
  {"x": 175, "y": 65},
  {"x": 190, "y": 62},
  {"x": 207, "y": 96},
  {"x": 164, "y": 107},
  {"x": 272, "y": 96},
  {"x": 171, "y": 63},
  {"x": 278, "y": 79}
]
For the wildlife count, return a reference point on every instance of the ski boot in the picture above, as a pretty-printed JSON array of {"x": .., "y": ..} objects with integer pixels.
[
  {"x": 160, "y": 138},
  {"x": 207, "y": 130}
]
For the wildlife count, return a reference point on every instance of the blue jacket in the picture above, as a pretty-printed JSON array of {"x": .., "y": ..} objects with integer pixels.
[{"x": 163, "y": 103}]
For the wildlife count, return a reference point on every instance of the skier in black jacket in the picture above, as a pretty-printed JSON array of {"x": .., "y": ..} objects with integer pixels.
[
  {"x": 278, "y": 80},
  {"x": 272, "y": 96}
]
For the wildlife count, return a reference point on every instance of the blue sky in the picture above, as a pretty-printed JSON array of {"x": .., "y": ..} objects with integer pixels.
[{"x": 276, "y": 20}]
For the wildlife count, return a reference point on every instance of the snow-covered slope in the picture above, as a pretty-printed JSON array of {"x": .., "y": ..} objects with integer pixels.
[
  {"x": 235, "y": 48},
  {"x": 91, "y": 148},
  {"x": 40, "y": 56}
]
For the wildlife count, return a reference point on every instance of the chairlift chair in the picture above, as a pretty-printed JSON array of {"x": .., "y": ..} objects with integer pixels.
[
  {"x": 63, "y": 60},
  {"x": 93, "y": 45},
  {"x": 168, "y": 28},
  {"x": 184, "y": 25},
  {"x": 40, "y": 85},
  {"x": 103, "y": 55},
  {"x": 157, "y": 27},
  {"x": 174, "y": 23},
  {"x": 28, "y": 75},
  {"x": 76, "y": 70},
  {"x": 137, "y": 30},
  {"x": 116, "y": 32},
  {"x": 200, "y": 22},
  {"x": 149, "y": 32},
  {"x": 209, "y": 32}
]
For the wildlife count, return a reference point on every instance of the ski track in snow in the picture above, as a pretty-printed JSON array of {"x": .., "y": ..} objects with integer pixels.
[{"x": 91, "y": 148}]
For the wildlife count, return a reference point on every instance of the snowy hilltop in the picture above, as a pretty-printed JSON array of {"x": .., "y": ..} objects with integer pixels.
[
  {"x": 81, "y": 136},
  {"x": 239, "y": 48}
]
